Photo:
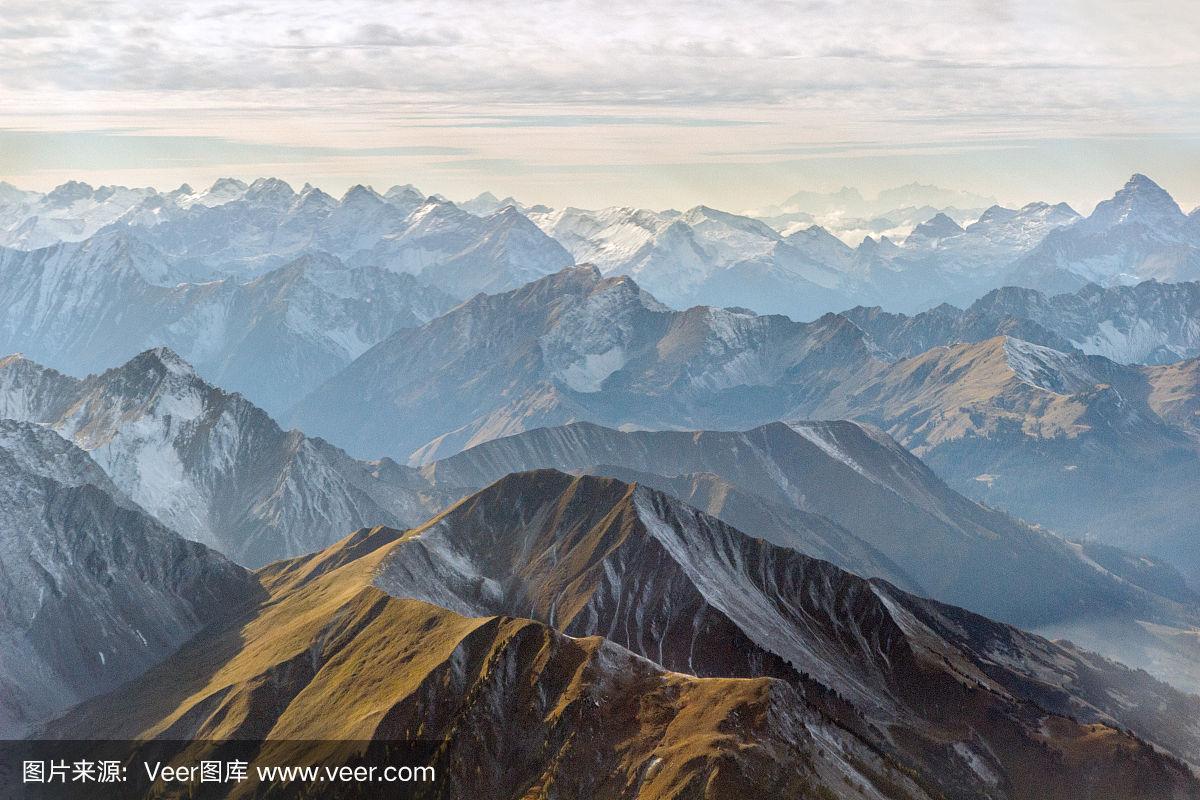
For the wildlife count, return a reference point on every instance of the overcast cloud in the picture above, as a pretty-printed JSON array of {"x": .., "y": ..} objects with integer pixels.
[{"x": 562, "y": 99}]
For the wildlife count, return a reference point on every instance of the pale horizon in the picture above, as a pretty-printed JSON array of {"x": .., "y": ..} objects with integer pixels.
[{"x": 339, "y": 189}]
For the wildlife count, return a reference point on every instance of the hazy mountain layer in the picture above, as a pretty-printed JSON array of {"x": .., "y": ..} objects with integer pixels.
[
  {"x": 1087, "y": 446},
  {"x": 1078, "y": 442},
  {"x": 573, "y": 346},
  {"x": 89, "y": 306},
  {"x": 1151, "y": 323},
  {"x": 211, "y": 465}
]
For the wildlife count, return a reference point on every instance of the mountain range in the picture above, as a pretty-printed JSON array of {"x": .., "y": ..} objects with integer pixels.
[
  {"x": 220, "y": 471},
  {"x": 1023, "y": 425},
  {"x": 1150, "y": 323},
  {"x": 243, "y": 230},
  {"x": 999, "y": 397},
  {"x": 709, "y": 257},
  {"x": 612, "y": 503},
  {"x": 577, "y": 345},
  {"x": 954, "y": 247},
  {"x": 605, "y": 639}
]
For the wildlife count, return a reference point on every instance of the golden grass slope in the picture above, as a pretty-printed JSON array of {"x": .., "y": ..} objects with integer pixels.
[{"x": 522, "y": 710}]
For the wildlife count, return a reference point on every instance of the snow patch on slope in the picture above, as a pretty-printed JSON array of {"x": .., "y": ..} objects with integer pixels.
[
  {"x": 829, "y": 446},
  {"x": 1046, "y": 368}
]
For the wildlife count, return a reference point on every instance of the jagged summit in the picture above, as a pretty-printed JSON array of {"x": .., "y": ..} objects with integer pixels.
[
  {"x": 1144, "y": 188},
  {"x": 1141, "y": 183},
  {"x": 165, "y": 358},
  {"x": 937, "y": 227},
  {"x": 361, "y": 194},
  {"x": 269, "y": 191},
  {"x": 314, "y": 196},
  {"x": 1141, "y": 201},
  {"x": 407, "y": 194},
  {"x": 510, "y": 213},
  {"x": 69, "y": 192},
  {"x": 1138, "y": 233},
  {"x": 227, "y": 184}
]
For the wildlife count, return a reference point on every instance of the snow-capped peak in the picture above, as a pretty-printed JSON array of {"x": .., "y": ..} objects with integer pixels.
[
  {"x": 998, "y": 214},
  {"x": 227, "y": 185},
  {"x": 223, "y": 190},
  {"x": 68, "y": 193},
  {"x": 312, "y": 197},
  {"x": 406, "y": 195},
  {"x": 269, "y": 191},
  {"x": 1139, "y": 201},
  {"x": 168, "y": 359},
  {"x": 938, "y": 227},
  {"x": 359, "y": 194},
  {"x": 509, "y": 215}
]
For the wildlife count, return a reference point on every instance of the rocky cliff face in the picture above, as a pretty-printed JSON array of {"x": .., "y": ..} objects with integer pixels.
[{"x": 94, "y": 590}]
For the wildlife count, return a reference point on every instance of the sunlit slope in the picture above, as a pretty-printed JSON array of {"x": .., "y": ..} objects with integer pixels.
[
  {"x": 669, "y": 683},
  {"x": 524, "y": 711}
]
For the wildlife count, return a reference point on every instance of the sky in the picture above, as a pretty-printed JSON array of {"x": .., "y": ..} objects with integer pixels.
[{"x": 649, "y": 103}]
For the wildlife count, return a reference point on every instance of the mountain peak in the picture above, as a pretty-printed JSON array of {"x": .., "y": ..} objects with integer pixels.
[
  {"x": 164, "y": 358},
  {"x": 359, "y": 193},
  {"x": 506, "y": 213},
  {"x": 1045, "y": 367},
  {"x": 227, "y": 185},
  {"x": 69, "y": 192},
  {"x": 406, "y": 194},
  {"x": 1138, "y": 181},
  {"x": 1140, "y": 202},
  {"x": 1141, "y": 188},
  {"x": 937, "y": 227},
  {"x": 271, "y": 190},
  {"x": 588, "y": 273},
  {"x": 14, "y": 358},
  {"x": 995, "y": 213},
  {"x": 313, "y": 196}
]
